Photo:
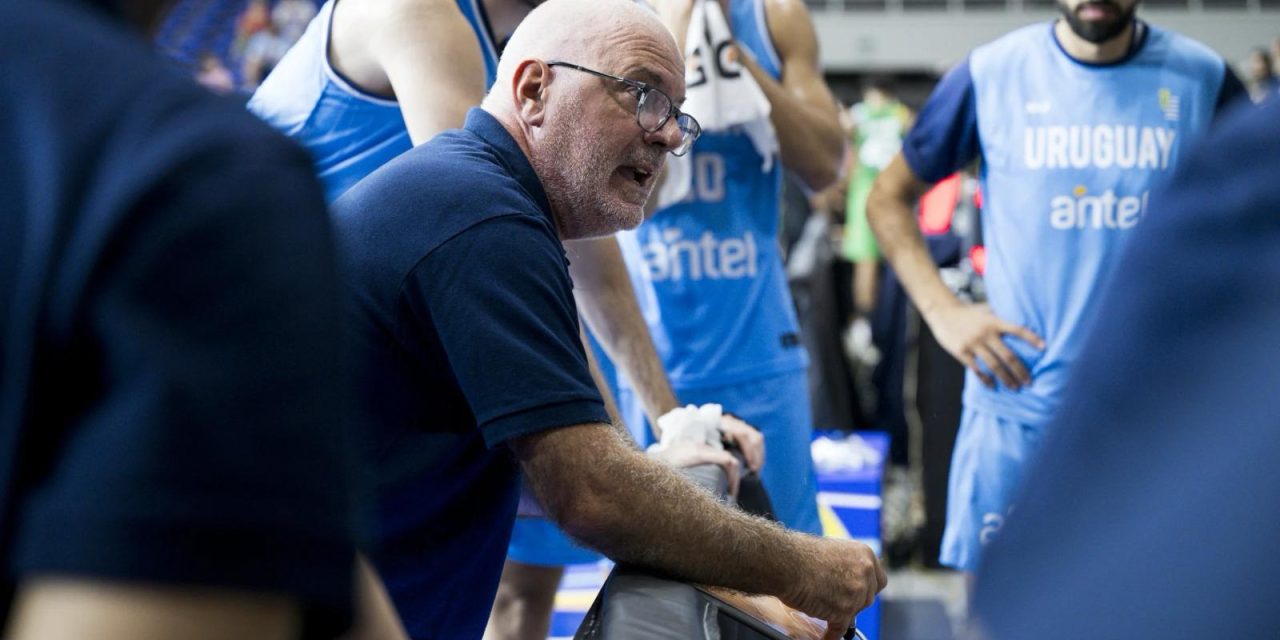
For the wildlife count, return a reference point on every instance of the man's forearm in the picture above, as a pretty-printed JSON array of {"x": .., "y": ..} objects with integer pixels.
[
  {"x": 644, "y": 513},
  {"x": 889, "y": 211},
  {"x": 810, "y": 139},
  {"x": 608, "y": 303}
]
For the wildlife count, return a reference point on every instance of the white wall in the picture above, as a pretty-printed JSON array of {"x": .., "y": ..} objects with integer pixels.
[{"x": 933, "y": 41}]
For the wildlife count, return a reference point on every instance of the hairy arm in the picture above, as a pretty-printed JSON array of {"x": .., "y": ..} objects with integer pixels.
[
  {"x": 640, "y": 512},
  {"x": 68, "y": 609}
]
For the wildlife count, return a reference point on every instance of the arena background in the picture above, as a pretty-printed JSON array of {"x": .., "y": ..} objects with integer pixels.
[{"x": 911, "y": 43}]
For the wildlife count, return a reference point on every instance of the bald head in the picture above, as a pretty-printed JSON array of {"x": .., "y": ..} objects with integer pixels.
[
  {"x": 569, "y": 90},
  {"x": 587, "y": 32}
]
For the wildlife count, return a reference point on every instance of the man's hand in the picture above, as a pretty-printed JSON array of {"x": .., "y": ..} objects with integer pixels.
[
  {"x": 749, "y": 440},
  {"x": 687, "y": 454},
  {"x": 971, "y": 333},
  {"x": 639, "y": 512},
  {"x": 843, "y": 578}
]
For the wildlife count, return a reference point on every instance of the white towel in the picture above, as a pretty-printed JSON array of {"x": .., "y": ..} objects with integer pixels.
[
  {"x": 690, "y": 425},
  {"x": 721, "y": 101}
]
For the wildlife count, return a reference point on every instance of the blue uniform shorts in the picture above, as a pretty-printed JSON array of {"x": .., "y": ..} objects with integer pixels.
[
  {"x": 987, "y": 466},
  {"x": 777, "y": 405}
]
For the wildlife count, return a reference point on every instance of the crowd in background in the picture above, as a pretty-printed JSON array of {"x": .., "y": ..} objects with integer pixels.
[{"x": 263, "y": 33}]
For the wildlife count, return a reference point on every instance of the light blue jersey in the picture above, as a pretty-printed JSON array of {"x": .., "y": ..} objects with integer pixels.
[
  {"x": 1069, "y": 153},
  {"x": 710, "y": 282},
  {"x": 723, "y": 312},
  {"x": 349, "y": 132}
]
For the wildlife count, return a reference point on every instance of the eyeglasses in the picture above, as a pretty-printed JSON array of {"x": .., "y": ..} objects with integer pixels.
[{"x": 653, "y": 109}]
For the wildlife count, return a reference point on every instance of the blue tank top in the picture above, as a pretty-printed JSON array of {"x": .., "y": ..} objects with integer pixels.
[
  {"x": 720, "y": 310},
  {"x": 349, "y": 132},
  {"x": 1069, "y": 154}
]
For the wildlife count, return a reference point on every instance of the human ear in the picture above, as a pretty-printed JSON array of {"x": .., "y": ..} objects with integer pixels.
[{"x": 529, "y": 90}]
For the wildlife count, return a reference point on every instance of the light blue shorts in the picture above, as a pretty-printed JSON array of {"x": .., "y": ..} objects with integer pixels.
[
  {"x": 986, "y": 469},
  {"x": 777, "y": 405}
]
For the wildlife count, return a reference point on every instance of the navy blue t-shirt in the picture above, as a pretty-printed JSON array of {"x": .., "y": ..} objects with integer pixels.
[
  {"x": 1152, "y": 512},
  {"x": 465, "y": 317},
  {"x": 172, "y": 404}
]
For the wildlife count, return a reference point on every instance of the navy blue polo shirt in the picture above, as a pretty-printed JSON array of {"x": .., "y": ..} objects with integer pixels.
[
  {"x": 464, "y": 315},
  {"x": 172, "y": 400}
]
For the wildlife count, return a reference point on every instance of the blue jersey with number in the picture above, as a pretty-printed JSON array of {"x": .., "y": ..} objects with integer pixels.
[
  {"x": 723, "y": 312},
  {"x": 1069, "y": 153},
  {"x": 349, "y": 132}
]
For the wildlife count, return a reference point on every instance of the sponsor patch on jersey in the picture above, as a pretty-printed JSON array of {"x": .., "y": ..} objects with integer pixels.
[
  {"x": 706, "y": 257},
  {"x": 1106, "y": 210}
]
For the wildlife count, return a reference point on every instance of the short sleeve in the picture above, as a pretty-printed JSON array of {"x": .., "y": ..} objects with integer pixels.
[
  {"x": 944, "y": 138},
  {"x": 196, "y": 435},
  {"x": 499, "y": 297}
]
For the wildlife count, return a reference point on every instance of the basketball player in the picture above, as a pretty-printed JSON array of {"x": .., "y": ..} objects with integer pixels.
[{"x": 1073, "y": 121}]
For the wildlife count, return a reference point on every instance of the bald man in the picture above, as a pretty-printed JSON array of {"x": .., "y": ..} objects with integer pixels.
[
  {"x": 372, "y": 78},
  {"x": 467, "y": 331}
]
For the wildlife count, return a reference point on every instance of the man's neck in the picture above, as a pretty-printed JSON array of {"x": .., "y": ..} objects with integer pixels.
[{"x": 1095, "y": 53}]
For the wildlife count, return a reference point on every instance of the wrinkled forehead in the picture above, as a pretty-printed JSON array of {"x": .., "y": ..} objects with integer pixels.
[{"x": 647, "y": 55}]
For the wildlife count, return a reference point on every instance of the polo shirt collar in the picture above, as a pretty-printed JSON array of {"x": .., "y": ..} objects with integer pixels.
[{"x": 482, "y": 124}]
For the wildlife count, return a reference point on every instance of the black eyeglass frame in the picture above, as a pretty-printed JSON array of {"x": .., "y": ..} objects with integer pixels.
[{"x": 689, "y": 135}]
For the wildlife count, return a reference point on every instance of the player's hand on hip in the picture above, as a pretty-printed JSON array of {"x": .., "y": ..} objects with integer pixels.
[
  {"x": 749, "y": 440},
  {"x": 842, "y": 579},
  {"x": 974, "y": 335}
]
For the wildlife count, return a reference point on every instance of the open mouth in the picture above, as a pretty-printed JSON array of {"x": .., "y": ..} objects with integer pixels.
[{"x": 642, "y": 177}]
